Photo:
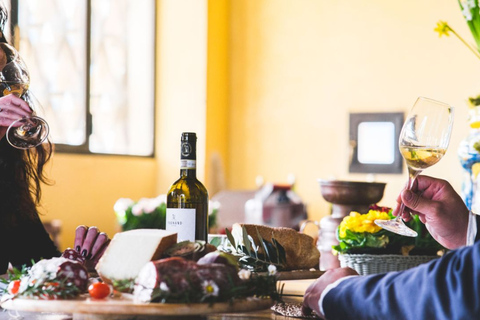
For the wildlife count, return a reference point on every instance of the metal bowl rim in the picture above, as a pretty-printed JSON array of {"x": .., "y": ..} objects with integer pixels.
[{"x": 348, "y": 184}]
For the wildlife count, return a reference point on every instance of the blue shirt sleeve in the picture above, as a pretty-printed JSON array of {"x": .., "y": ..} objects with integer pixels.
[{"x": 445, "y": 288}]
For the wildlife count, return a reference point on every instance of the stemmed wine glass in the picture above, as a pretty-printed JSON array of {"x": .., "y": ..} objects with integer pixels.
[
  {"x": 423, "y": 142},
  {"x": 27, "y": 132}
]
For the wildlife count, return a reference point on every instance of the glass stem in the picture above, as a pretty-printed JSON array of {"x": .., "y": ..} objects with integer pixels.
[{"x": 412, "y": 175}]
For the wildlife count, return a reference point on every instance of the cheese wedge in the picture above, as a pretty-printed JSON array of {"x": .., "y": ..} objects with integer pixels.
[{"x": 129, "y": 251}]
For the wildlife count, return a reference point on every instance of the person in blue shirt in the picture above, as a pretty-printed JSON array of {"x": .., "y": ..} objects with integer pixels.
[{"x": 445, "y": 288}]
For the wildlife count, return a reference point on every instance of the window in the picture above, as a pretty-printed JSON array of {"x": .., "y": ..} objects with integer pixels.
[{"x": 91, "y": 64}]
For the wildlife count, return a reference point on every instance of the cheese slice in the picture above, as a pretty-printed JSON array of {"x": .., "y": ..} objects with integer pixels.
[{"x": 129, "y": 251}]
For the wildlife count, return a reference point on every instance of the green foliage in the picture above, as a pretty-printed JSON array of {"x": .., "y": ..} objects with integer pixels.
[
  {"x": 153, "y": 220},
  {"x": 257, "y": 257},
  {"x": 386, "y": 242},
  {"x": 54, "y": 289},
  {"x": 124, "y": 285}
]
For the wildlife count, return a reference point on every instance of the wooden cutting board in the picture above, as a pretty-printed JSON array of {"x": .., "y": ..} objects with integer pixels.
[
  {"x": 299, "y": 274},
  {"x": 122, "y": 306}
]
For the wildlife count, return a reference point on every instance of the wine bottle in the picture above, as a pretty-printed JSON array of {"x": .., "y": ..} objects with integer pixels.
[{"x": 187, "y": 199}]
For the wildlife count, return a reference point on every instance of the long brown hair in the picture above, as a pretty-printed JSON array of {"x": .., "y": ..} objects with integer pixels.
[{"x": 27, "y": 166}]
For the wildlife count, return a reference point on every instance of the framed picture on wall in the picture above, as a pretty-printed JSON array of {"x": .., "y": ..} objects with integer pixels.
[{"x": 374, "y": 142}]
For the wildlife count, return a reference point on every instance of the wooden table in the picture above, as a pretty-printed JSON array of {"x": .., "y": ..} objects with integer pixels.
[{"x": 293, "y": 289}]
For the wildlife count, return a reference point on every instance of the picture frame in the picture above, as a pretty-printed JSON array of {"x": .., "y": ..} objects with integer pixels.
[{"x": 374, "y": 142}]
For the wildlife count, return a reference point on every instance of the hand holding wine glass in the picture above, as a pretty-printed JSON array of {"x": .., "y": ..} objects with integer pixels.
[
  {"x": 17, "y": 105},
  {"x": 423, "y": 142},
  {"x": 12, "y": 108}
]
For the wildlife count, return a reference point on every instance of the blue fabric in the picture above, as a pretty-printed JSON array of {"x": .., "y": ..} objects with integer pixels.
[
  {"x": 477, "y": 237},
  {"x": 446, "y": 288}
]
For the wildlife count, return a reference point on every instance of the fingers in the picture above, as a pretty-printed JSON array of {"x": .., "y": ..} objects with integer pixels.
[
  {"x": 90, "y": 242},
  {"x": 412, "y": 200},
  {"x": 12, "y": 108},
  {"x": 80, "y": 233},
  {"x": 100, "y": 245},
  {"x": 15, "y": 104},
  {"x": 96, "y": 257}
]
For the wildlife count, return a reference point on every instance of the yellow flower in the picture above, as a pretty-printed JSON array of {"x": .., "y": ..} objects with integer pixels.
[
  {"x": 356, "y": 222},
  {"x": 443, "y": 29}
]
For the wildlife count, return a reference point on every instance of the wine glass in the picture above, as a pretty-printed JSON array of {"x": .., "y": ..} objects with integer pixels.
[
  {"x": 26, "y": 132},
  {"x": 423, "y": 141}
]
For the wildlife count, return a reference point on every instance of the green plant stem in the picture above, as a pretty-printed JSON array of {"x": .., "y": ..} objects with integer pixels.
[{"x": 474, "y": 50}]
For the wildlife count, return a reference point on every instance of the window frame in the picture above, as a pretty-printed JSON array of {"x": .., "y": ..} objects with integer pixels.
[{"x": 84, "y": 147}]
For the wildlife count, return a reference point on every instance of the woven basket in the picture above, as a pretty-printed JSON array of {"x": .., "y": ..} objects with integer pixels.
[{"x": 379, "y": 263}]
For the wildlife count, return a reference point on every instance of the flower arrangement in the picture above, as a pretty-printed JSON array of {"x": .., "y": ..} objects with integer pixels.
[
  {"x": 150, "y": 213},
  {"x": 471, "y": 13},
  {"x": 357, "y": 234}
]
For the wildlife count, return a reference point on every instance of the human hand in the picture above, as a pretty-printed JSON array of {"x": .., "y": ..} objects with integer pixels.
[
  {"x": 12, "y": 108},
  {"x": 314, "y": 291},
  {"x": 91, "y": 243},
  {"x": 440, "y": 208}
]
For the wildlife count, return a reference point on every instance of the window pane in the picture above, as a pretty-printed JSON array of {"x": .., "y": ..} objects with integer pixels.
[
  {"x": 52, "y": 43},
  {"x": 122, "y": 76}
]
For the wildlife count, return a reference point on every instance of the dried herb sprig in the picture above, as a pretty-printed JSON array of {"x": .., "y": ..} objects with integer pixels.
[
  {"x": 124, "y": 285},
  {"x": 257, "y": 257},
  {"x": 54, "y": 290},
  {"x": 51, "y": 289}
]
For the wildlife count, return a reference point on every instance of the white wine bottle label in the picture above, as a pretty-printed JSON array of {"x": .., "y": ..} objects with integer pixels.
[
  {"x": 188, "y": 164},
  {"x": 181, "y": 221}
]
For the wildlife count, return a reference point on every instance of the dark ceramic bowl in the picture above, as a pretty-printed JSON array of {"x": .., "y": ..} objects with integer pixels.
[{"x": 351, "y": 192}]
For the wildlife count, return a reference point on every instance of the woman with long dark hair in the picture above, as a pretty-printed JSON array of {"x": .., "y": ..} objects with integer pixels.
[{"x": 23, "y": 237}]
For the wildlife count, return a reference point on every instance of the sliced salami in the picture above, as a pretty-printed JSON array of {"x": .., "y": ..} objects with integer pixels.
[
  {"x": 72, "y": 254},
  {"x": 74, "y": 272},
  {"x": 176, "y": 279}
]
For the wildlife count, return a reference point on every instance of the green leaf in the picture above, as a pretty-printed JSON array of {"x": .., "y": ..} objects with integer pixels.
[
  {"x": 265, "y": 249},
  {"x": 230, "y": 238},
  {"x": 246, "y": 241}
]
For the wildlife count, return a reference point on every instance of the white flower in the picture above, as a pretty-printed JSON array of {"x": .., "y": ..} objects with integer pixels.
[
  {"x": 212, "y": 206},
  {"x": 272, "y": 270},
  {"x": 468, "y": 5},
  {"x": 210, "y": 288},
  {"x": 149, "y": 205},
  {"x": 122, "y": 205},
  {"x": 244, "y": 274},
  {"x": 137, "y": 209},
  {"x": 145, "y": 205},
  {"x": 160, "y": 199},
  {"x": 164, "y": 287},
  {"x": 467, "y": 14}
]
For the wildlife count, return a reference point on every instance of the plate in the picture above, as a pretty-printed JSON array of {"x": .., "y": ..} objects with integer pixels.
[{"x": 126, "y": 306}]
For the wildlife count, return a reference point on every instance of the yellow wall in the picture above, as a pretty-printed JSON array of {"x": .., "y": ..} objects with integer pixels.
[
  {"x": 269, "y": 94},
  {"x": 297, "y": 68},
  {"x": 217, "y": 134},
  {"x": 86, "y": 187}
]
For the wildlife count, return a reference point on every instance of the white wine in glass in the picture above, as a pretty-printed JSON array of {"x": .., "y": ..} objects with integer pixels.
[
  {"x": 423, "y": 142},
  {"x": 26, "y": 132}
]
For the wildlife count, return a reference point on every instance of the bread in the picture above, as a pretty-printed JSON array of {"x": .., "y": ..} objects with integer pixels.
[
  {"x": 300, "y": 249},
  {"x": 129, "y": 251}
]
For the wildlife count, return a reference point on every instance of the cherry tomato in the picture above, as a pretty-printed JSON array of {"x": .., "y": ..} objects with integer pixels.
[
  {"x": 99, "y": 290},
  {"x": 13, "y": 287}
]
